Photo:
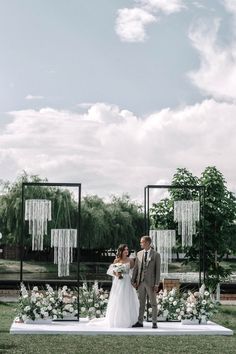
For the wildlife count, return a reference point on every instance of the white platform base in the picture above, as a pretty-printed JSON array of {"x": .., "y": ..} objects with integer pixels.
[{"x": 82, "y": 328}]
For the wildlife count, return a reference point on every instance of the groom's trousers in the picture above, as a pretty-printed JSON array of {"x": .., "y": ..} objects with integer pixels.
[{"x": 143, "y": 291}]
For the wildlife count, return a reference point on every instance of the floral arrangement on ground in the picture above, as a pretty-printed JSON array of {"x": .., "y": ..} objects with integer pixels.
[
  {"x": 62, "y": 303},
  {"x": 176, "y": 306}
]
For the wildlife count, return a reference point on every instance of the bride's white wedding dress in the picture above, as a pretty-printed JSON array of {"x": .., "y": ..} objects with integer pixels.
[{"x": 123, "y": 304}]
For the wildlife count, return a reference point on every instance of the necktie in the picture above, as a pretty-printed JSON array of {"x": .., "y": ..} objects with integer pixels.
[{"x": 145, "y": 257}]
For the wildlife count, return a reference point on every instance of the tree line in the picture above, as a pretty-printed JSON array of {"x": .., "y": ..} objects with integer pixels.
[{"x": 106, "y": 224}]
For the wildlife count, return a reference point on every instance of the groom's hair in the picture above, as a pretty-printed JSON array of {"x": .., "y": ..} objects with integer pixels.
[{"x": 147, "y": 238}]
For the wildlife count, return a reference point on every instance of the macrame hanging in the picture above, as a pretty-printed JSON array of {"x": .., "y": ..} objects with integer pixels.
[
  {"x": 63, "y": 241},
  {"x": 37, "y": 212},
  {"x": 186, "y": 213},
  {"x": 163, "y": 241}
]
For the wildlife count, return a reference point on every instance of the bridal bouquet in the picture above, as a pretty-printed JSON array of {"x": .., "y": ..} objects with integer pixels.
[{"x": 120, "y": 269}]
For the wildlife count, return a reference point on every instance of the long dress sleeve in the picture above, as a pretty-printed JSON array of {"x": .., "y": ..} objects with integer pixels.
[{"x": 110, "y": 270}]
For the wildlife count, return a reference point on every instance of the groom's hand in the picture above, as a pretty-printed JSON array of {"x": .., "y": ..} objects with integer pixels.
[{"x": 135, "y": 285}]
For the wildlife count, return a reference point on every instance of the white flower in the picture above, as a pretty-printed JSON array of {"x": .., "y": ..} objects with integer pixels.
[
  {"x": 90, "y": 301},
  {"x": 27, "y": 308},
  {"x": 91, "y": 309},
  {"x": 175, "y": 303},
  {"x": 35, "y": 288},
  {"x": 177, "y": 310},
  {"x": 83, "y": 309},
  {"x": 24, "y": 317},
  {"x": 98, "y": 312},
  {"x": 171, "y": 299},
  {"x": 204, "y": 302},
  {"x": 206, "y": 293}
]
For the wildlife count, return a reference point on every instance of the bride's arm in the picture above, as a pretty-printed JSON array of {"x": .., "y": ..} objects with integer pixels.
[
  {"x": 131, "y": 263},
  {"x": 111, "y": 271}
]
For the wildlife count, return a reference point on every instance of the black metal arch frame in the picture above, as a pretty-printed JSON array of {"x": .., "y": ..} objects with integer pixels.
[
  {"x": 201, "y": 189},
  {"x": 78, "y": 226}
]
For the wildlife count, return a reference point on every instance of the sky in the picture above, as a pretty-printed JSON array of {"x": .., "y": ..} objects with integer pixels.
[{"x": 117, "y": 95}]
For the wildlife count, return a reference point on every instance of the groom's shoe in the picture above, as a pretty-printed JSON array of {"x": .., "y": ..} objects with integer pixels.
[
  {"x": 154, "y": 325},
  {"x": 137, "y": 324}
]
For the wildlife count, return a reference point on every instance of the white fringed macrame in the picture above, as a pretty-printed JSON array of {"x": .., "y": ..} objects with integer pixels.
[
  {"x": 38, "y": 213},
  {"x": 186, "y": 213},
  {"x": 163, "y": 241},
  {"x": 63, "y": 241}
]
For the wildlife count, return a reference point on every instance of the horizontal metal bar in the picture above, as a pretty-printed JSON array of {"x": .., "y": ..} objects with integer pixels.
[{"x": 51, "y": 184}]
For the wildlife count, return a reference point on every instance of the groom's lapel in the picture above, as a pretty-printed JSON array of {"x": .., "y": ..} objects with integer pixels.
[
  {"x": 140, "y": 256},
  {"x": 150, "y": 257}
]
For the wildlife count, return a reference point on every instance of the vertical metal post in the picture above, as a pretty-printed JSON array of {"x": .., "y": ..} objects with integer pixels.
[
  {"x": 148, "y": 217},
  {"x": 78, "y": 247},
  {"x": 145, "y": 210},
  {"x": 200, "y": 240},
  {"x": 203, "y": 239},
  {"x": 22, "y": 231}
]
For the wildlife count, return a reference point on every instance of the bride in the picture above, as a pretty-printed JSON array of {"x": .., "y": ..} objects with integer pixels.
[{"x": 123, "y": 304}]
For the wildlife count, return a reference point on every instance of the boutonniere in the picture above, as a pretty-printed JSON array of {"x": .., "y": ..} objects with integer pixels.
[{"x": 149, "y": 259}]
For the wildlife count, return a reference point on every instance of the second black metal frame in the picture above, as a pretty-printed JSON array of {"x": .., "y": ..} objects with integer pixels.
[{"x": 201, "y": 189}]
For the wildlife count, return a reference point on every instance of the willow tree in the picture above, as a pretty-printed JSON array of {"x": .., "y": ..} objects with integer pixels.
[
  {"x": 64, "y": 208},
  {"x": 107, "y": 224}
]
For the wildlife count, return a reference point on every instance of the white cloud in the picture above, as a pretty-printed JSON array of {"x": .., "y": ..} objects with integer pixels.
[
  {"x": 112, "y": 150},
  {"x": 131, "y": 23},
  {"x": 167, "y": 7},
  {"x": 33, "y": 97},
  {"x": 230, "y": 6},
  {"x": 216, "y": 75}
]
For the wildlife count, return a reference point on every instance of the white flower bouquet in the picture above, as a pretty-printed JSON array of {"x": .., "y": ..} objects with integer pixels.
[
  {"x": 93, "y": 301},
  {"x": 198, "y": 305},
  {"x": 169, "y": 304},
  {"x": 35, "y": 305},
  {"x": 119, "y": 268}
]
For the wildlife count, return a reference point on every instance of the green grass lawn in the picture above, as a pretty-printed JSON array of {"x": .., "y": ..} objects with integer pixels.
[{"x": 68, "y": 344}]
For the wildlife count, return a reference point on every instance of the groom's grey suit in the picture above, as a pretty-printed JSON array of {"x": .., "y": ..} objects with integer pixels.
[{"x": 145, "y": 276}]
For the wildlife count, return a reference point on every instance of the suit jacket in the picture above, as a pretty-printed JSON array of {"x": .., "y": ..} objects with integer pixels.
[{"x": 152, "y": 270}]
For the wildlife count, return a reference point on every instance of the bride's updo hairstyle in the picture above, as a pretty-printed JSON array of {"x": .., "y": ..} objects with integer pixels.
[{"x": 120, "y": 250}]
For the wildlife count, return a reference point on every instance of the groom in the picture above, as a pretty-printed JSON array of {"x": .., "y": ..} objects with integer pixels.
[{"x": 146, "y": 278}]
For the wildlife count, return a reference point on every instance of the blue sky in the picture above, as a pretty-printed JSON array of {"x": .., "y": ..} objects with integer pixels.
[{"x": 117, "y": 94}]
